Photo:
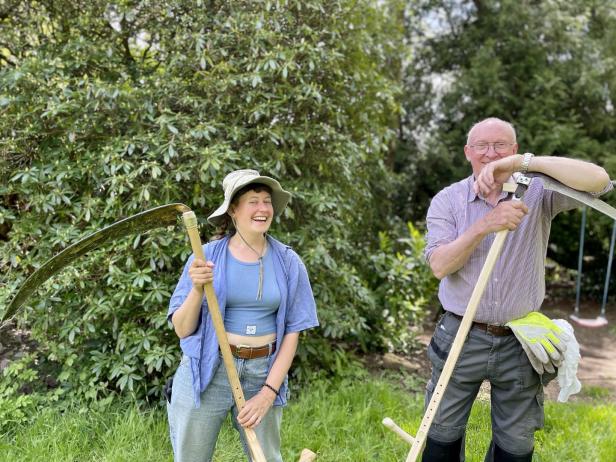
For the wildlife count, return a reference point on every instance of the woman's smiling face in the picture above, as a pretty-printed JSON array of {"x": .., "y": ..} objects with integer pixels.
[{"x": 253, "y": 212}]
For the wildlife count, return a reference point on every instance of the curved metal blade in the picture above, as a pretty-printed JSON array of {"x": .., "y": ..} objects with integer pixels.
[
  {"x": 165, "y": 215},
  {"x": 583, "y": 197}
]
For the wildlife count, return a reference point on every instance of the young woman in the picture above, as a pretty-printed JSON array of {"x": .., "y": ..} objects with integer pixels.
[{"x": 265, "y": 300}]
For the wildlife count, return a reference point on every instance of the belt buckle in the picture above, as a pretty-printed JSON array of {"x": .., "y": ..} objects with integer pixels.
[
  {"x": 495, "y": 329},
  {"x": 239, "y": 349}
]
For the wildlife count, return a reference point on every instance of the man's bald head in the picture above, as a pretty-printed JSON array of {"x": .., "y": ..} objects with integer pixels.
[{"x": 491, "y": 120}]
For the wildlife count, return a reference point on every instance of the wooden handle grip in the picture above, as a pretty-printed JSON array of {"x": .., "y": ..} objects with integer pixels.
[
  {"x": 397, "y": 430},
  {"x": 190, "y": 222},
  {"x": 307, "y": 456}
]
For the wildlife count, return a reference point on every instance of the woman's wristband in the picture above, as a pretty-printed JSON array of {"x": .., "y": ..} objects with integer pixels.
[{"x": 271, "y": 388}]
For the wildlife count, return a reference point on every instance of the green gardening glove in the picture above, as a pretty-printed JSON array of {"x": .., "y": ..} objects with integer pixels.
[{"x": 542, "y": 340}]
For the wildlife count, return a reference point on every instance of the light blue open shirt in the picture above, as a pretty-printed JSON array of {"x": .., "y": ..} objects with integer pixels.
[{"x": 297, "y": 311}]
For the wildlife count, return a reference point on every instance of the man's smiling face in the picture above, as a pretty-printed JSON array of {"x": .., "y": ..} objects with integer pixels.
[{"x": 489, "y": 141}]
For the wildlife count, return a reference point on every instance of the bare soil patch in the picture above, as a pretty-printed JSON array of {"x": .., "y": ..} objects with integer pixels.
[
  {"x": 14, "y": 344},
  {"x": 596, "y": 370}
]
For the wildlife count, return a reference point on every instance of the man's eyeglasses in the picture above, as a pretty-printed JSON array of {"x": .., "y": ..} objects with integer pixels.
[{"x": 499, "y": 147}]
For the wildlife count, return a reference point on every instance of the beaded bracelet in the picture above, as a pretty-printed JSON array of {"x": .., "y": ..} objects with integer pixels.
[{"x": 271, "y": 388}]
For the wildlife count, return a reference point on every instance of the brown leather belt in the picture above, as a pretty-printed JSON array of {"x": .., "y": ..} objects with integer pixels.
[
  {"x": 493, "y": 329},
  {"x": 246, "y": 352}
]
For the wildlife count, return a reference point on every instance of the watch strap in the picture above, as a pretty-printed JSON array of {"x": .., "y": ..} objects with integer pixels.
[{"x": 526, "y": 162}]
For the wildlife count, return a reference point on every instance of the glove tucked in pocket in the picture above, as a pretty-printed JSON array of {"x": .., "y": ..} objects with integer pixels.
[{"x": 543, "y": 341}]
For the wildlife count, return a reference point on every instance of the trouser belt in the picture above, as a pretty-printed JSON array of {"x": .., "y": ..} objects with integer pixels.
[
  {"x": 247, "y": 352},
  {"x": 493, "y": 329}
]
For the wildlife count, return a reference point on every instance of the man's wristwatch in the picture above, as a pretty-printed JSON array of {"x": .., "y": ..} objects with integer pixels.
[{"x": 526, "y": 162}]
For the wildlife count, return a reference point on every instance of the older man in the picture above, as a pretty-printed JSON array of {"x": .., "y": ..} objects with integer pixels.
[{"x": 462, "y": 220}]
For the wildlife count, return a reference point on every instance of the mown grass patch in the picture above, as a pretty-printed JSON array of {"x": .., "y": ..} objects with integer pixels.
[{"x": 341, "y": 421}]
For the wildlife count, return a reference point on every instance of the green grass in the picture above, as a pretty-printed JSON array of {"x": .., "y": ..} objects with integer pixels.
[
  {"x": 340, "y": 421},
  {"x": 595, "y": 392}
]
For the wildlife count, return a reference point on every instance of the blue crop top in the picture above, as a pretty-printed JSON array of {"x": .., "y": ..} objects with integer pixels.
[{"x": 244, "y": 314}]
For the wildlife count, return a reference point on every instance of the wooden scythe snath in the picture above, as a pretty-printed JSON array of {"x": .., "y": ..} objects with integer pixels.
[{"x": 190, "y": 222}]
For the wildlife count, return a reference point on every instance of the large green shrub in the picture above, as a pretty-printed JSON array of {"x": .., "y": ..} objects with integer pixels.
[
  {"x": 404, "y": 286},
  {"x": 108, "y": 109}
]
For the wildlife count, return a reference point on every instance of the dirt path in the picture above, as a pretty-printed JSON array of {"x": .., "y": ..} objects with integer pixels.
[{"x": 597, "y": 368}]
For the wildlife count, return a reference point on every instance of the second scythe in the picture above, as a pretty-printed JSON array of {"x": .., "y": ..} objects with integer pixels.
[
  {"x": 417, "y": 443},
  {"x": 549, "y": 183}
]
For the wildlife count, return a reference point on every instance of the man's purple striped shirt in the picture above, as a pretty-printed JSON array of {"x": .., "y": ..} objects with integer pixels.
[{"x": 517, "y": 283}]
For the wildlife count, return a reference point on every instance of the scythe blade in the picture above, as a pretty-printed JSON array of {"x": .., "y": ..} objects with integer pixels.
[
  {"x": 583, "y": 197},
  {"x": 165, "y": 215}
]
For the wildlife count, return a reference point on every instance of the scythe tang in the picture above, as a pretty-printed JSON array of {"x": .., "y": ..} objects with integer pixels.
[
  {"x": 582, "y": 197},
  {"x": 165, "y": 215}
]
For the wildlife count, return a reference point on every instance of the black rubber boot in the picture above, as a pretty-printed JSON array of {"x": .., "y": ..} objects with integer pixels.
[
  {"x": 498, "y": 454},
  {"x": 435, "y": 451}
]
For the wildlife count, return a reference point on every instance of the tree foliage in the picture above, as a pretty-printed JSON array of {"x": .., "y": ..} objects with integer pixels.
[
  {"x": 108, "y": 109},
  {"x": 549, "y": 67}
]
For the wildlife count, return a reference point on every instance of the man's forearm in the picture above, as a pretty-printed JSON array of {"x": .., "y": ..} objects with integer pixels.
[
  {"x": 449, "y": 258},
  {"x": 577, "y": 174}
]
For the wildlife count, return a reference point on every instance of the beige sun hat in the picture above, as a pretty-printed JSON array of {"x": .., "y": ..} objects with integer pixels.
[{"x": 236, "y": 180}]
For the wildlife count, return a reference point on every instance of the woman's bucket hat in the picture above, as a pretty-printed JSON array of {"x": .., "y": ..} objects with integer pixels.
[{"x": 236, "y": 180}]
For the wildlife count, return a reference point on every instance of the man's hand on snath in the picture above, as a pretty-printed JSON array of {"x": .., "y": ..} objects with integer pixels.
[{"x": 542, "y": 340}]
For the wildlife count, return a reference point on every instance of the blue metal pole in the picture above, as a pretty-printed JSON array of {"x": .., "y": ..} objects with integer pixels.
[
  {"x": 609, "y": 269},
  {"x": 578, "y": 281}
]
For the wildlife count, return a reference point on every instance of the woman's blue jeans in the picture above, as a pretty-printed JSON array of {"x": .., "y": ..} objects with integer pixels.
[{"x": 194, "y": 430}]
